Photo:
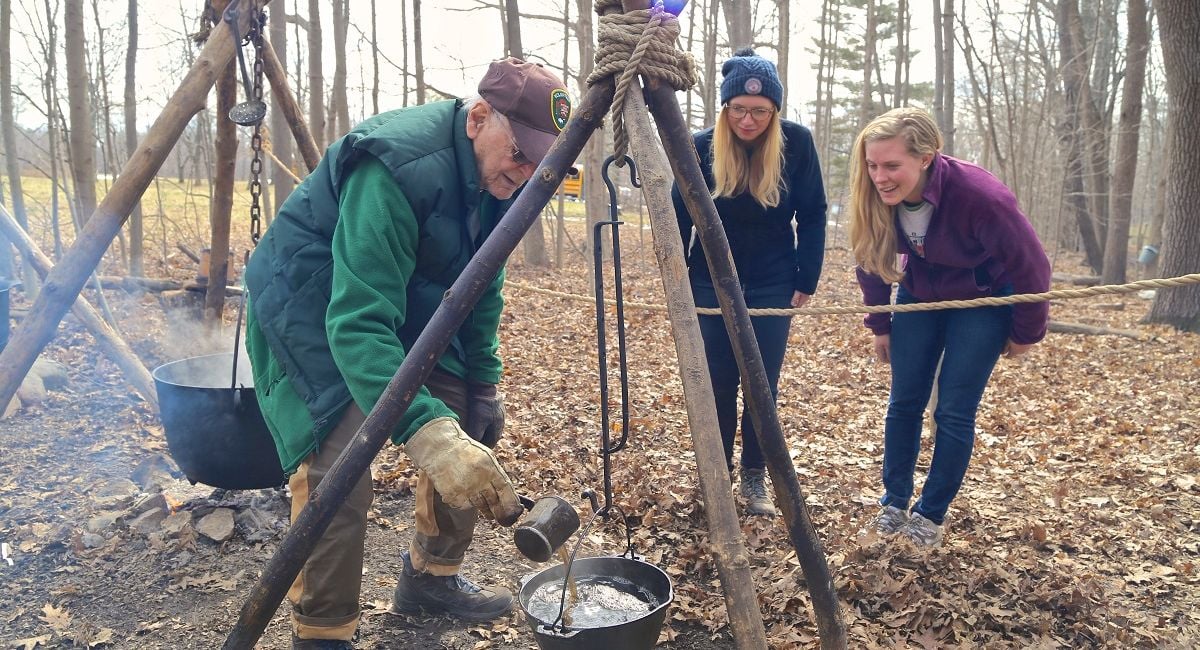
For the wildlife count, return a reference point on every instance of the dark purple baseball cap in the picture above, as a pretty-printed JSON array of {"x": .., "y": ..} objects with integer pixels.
[{"x": 533, "y": 99}]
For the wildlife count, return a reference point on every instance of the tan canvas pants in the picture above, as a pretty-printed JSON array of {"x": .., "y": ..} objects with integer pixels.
[{"x": 325, "y": 595}]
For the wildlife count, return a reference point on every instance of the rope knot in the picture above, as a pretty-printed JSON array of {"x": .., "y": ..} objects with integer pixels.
[{"x": 638, "y": 42}]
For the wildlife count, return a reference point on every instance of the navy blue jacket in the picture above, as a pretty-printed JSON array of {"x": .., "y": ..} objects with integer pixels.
[{"x": 783, "y": 245}]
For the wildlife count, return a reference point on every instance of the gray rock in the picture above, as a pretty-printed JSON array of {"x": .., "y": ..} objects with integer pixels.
[
  {"x": 91, "y": 540},
  {"x": 32, "y": 390},
  {"x": 149, "y": 502},
  {"x": 52, "y": 373},
  {"x": 149, "y": 521},
  {"x": 217, "y": 525},
  {"x": 258, "y": 525},
  {"x": 176, "y": 522},
  {"x": 102, "y": 522},
  {"x": 114, "y": 493}
]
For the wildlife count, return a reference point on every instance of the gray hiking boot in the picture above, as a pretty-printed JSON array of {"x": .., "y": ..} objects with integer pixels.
[
  {"x": 454, "y": 595},
  {"x": 754, "y": 489},
  {"x": 890, "y": 520},
  {"x": 922, "y": 531}
]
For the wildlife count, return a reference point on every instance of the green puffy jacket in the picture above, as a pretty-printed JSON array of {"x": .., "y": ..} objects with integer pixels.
[{"x": 354, "y": 265}]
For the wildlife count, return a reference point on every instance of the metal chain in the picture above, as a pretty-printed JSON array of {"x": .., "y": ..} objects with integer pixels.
[{"x": 256, "y": 140}]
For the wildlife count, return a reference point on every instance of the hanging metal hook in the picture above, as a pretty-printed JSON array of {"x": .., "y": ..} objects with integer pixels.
[{"x": 252, "y": 111}]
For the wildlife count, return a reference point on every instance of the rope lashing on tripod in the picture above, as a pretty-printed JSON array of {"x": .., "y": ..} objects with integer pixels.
[
  {"x": 638, "y": 42},
  {"x": 1161, "y": 283}
]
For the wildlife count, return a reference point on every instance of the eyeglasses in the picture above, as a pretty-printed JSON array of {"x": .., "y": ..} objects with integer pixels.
[
  {"x": 759, "y": 114},
  {"x": 519, "y": 156}
]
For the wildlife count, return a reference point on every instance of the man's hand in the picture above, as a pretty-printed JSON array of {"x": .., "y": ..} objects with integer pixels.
[
  {"x": 485, "y": 414},
  {"x": 883, "y": 347},
  {"x": 799, "y": 298},
  {"x": 463, "y": 471}
]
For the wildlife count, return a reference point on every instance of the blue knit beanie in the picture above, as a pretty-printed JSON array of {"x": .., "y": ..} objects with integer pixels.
[{"x": 746, "y": 73}]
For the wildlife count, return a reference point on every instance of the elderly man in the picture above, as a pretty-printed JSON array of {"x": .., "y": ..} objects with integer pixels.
[{"x": 343, "y": 282}]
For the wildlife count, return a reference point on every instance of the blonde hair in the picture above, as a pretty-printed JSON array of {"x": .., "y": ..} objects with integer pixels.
[
  {"x": 736, "y": 170},
  {"x": 872, "y": 231}
]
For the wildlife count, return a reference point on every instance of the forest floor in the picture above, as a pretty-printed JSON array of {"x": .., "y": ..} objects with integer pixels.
[{"x": 1078, "y": 524}]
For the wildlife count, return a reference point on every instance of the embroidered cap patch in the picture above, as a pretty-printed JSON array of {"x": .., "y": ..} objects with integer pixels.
[
  {"x": 753, "y": 86},
  {"x": 560, "y": 108}
]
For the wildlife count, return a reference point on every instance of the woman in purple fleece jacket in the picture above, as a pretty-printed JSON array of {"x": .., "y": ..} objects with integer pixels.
[{"x": 959, "y": 234}]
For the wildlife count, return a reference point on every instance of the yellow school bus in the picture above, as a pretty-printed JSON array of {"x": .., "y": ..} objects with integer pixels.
[{"x": 572, "y": 185}]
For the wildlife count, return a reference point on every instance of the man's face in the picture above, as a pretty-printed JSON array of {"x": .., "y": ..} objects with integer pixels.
[{"x": 502, "y": 166}]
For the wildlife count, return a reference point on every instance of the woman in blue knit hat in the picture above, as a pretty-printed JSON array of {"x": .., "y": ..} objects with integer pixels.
[{"x": 766, "y": 183}]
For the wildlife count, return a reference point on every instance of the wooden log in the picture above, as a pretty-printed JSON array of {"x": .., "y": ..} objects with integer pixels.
[
  {"x": 277, "y": 77},
  {"x": 1079, "y": 328},
  {"x": 1078, "y": 280},
  {"x": 134, "y": 284},
  {"x": 65, "y": 280},
  {"x": 726, "y": 543},
  {"x": 111, "y": 344}
]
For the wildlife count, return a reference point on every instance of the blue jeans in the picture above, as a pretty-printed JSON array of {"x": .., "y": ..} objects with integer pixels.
[
  {"x": 968, "y": 341},
  {"x": 771, "y": 332}
]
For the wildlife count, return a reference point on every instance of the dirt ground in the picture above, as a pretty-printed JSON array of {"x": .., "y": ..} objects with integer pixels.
[{"x": 1079, "y": 524}]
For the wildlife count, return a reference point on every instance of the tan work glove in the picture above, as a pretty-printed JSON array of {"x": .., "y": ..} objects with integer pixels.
[{"x": 463, "y": 471}]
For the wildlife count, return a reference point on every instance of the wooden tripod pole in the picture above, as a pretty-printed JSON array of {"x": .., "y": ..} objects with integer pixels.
[
  {"x": 111, "y": 343},
  {"x": 724, "y": 531},
  {"x": 65, "y": 280}
]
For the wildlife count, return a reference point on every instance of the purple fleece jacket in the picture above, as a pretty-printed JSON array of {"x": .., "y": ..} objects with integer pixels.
[{"x": 978, "y": 243}]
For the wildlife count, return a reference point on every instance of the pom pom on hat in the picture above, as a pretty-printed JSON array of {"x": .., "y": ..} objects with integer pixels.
[{"x": 746, "y": 73}]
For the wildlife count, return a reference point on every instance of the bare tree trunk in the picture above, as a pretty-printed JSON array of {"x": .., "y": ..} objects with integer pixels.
[
  {"x": 281, "y": 144},
  {"x": 339, "y": 114},
  {"x": 739, "y": 20},
  {"x": 404, "y": 59},
  {"x": 1179, "y": 29},
  {"x": 939, "y": 68},
  {"x": 865, "y": 109},
  {"x": 220, "y": 209},
  {"x": 1079, "y": 120},
  {"x": 710, "y": 61},
  {"x": 83, "y": 135},
  {"x": 137, "y": 256},
  {"x": 417, "y": 54},
  {"x": 375, "y": 61},
  {"x": 316, "y": 79},
  {"x": 1116, "y": 247},
  {"x": 689, "y": 41},
  {"x": 594, "y": 196},
  {"x": 12, "y": 164},
  {"x": 899, "y": 92},
  {"x": 783, "y": 48},
  {"x": 948, "y": 76},
  {"x": 533, "y": 245}
]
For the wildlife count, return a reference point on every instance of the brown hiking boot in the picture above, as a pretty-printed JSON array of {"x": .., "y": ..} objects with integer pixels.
[{"x": 454, "y": 595}]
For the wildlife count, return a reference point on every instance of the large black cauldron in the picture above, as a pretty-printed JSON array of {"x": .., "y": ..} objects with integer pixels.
[{"x": 214, "y": 429}]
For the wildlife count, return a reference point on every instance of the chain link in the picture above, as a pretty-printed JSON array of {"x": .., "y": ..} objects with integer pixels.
[{"x": 255, "y": 36}]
